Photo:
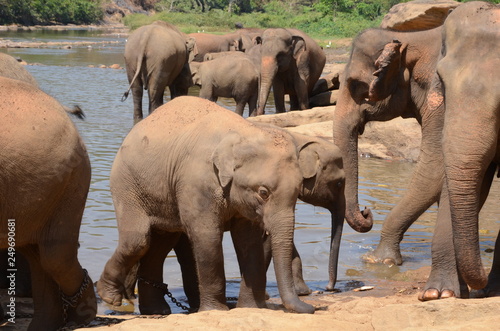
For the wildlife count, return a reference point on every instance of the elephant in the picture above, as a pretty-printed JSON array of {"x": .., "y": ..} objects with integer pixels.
[
  {"x": 389, "y": 74},
  {"x": 322, "y": 185},
  {"x": 157, "y": 56},
  {"x": 291, "y": 63},
  {"x": 194, "y": 167},
  {"x": 44, "y": 183},
  {"x": 11, "y": 68},
  {"x": 230, "y": 77},
  {"x": 468, "y": 75},
  {"x": 212, "y": 43}
]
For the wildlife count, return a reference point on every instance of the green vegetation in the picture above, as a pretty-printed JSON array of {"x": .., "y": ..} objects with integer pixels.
[
  {"x": 44, "y": 12},
  {"x": 322, "y": 19}
]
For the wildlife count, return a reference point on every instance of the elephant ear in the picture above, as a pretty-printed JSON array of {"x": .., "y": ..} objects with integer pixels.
[
  {"x": 309, "y": 161},
  {"x": 224, "y": 159},
  {"x": 299, "y": 46},
  {"x": 191, "y": 48},
  {"x": 389, "y": 65}
]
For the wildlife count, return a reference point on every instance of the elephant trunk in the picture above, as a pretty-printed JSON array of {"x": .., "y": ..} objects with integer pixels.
[
  {"x": 268, "y": 70},
  {"x": 345, "y": 136},
  {"x": 338, "y": 214},
  {"x": 282, "y": 247},
  {"x": 465, "y": 167}
]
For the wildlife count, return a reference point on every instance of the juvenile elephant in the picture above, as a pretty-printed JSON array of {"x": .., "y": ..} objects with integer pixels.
[
  {"x": 213, "y": 43},
  {"x": 389, "y": 74},
  {"x": 193, "y": 167},
  {"x": 469, "y": 77},
  {"x": 44, "y": 183},
  {"x": 157, "y": 56},
  {"x": 291, "y": 64},
  {"x": 229, "y": 77},
  {"x": 322, "y": 185}
]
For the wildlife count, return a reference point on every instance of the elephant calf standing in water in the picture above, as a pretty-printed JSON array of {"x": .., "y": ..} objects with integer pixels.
[
  {"x": 231, "y": 76},
  {"x": 44, "y": 181},
  {"x": 193, "y": 167}
]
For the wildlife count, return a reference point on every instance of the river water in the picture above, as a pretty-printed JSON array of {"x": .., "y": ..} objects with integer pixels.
[{"x": 65, "y": 74}]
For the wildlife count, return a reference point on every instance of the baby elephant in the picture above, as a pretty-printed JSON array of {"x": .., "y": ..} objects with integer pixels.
[
  {"x": 194, "y": 167},
  {"x": 232, "y": 76}
]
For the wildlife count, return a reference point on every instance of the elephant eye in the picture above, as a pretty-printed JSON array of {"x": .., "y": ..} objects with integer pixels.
[
  {"x": 263, "y": 193},
  {"x": 358, "y": 89}
]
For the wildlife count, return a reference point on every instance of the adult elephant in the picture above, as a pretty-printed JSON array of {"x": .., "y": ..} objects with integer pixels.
[
  {"x": 44, "y": 183},
  {"x": 389, "y": 74},
  {"x": 322, "y": 185},
  {"x": 291, "y": 63},
  {"x": 213, "y": 43},
  {"x": 469, "y": 74},
  {"x": 214, "y": 168},
  {"x": 157, "y": 56}
]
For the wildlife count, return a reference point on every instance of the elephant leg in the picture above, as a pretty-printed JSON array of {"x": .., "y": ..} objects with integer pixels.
[
  {"x": 150, "y": 273},
  {"x": 247, "y": 240},
  {"x": 48, "y": 311},
  {"x": 443, "y": 281},
  {"x": 493, "y": 287},
  {"x": 137, "y": 93},
  {"x": 279, "y": 95},
  {"x": 252, "y": 105},
  {"x": 424, "y": 190},
  {"x": 185, "y": 257},
  {"x": 298, "y": 280},
  {"x": 302, "y": 95},
  {"x": 240, "y": 106},
  {"x": 156, "y": 90},
  {"x": 132, "y": 245},
  {"x": 207, "y": 248}
]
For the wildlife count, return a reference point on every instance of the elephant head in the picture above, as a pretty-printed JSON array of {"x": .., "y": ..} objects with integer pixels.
[
  {"x": 264, "y": 196},
  {"x": 280, "y": 51},
  {"x": 191, "y": 48},
  {"x": 385, "y": 78},
  {"x": 323, "y": 185}
]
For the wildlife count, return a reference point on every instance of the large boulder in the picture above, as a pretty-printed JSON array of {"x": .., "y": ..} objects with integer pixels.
[{"x": 418, "y": 15}]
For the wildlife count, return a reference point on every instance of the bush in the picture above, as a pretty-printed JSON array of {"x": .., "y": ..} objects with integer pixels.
[{"x": 29, "y": 12}]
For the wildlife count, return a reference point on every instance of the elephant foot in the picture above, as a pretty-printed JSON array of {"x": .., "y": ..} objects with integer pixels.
[
  {"x": 81, "y": 307},
  {"x": 109, "y": 292},
  {"x": 213, "y": 306},
  {"x": 302, "y": 289},
  {"x": 384, "y": 254},
  {"x": 434, "y": 294},
  {"x": 157, "y": 309},
  {"x": 298, "y": 306},
  {"x": 491, "y": 290},
  {"x": 443, "y": 284}
]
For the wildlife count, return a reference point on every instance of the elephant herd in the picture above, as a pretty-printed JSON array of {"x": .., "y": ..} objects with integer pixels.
[
  {"x": 287, "y": 60},
  {"x": 192, "y": 170}
]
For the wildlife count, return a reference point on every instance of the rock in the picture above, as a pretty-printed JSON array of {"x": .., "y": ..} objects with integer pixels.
[
  {"x": 115, "y": 66},
  {"x": 324, "y": 99},
  {"x": 102, "y": 66},
  {"x": 397, "y": 139},
  {"x": 418, "y": 15},
  {"x": 296, "y": 117}
]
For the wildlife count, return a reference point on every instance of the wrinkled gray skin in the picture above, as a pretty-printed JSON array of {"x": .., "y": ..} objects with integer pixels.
[
  {"x": 215, "y": 170},
  {"x": 469, "y": 73},
  {"x": 44, "y": 183},
  {"x": 322, "y": 185},
  {"x": 291, "y": 64},
  {"x": 157, "y": 56},
  {"x": 212, "y": 43},
  {"x": 230, "y": 77},
  {"x": 384, "y": 80}
]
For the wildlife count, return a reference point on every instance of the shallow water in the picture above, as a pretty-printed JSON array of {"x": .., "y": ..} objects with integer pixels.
[{"x": 64, "y": 74}]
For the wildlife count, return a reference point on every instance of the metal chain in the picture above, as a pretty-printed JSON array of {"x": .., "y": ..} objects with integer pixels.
[
  {"x": 164, "y": 288},
  {"x": 71, "y": 301}
]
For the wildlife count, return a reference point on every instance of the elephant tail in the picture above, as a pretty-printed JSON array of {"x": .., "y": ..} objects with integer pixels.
[
  {"x": 76, "y": 111},
  {"x": 138, "y": 70}
]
